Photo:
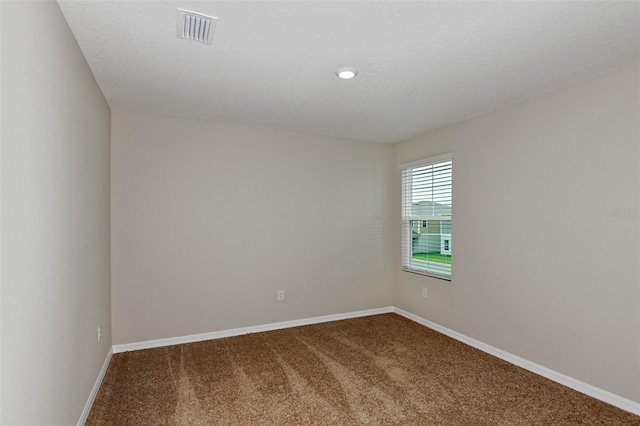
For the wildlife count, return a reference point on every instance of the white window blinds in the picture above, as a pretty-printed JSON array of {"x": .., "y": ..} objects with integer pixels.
[{"x": 426, "y": 216}]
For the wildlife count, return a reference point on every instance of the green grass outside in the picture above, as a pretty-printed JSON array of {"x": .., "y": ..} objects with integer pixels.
[{"x": 433, "y": 257}]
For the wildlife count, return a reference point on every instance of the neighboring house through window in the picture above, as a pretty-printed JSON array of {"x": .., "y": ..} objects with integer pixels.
[{"x": 426, "y": 216}]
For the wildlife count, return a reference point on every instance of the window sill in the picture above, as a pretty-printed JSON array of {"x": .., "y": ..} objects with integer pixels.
[{"x": 427, "y": 274}]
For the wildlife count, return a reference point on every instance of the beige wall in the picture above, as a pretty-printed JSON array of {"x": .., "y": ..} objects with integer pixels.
[
  {"x": 209, "y": 220},
  {"x": 55, "y": 219},
  {"x": 539, "y": 270},
  {"x": 0, "y": 214}
]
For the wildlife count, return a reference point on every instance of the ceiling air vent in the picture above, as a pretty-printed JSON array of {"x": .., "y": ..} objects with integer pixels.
[{"x": 195, "y": 26}]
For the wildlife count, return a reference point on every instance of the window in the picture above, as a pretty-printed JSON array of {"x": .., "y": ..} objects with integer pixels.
[{"x": 426, "y": 216}]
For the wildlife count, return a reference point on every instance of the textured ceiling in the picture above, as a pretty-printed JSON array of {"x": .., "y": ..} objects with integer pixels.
[{"x": 422, "y": 65}]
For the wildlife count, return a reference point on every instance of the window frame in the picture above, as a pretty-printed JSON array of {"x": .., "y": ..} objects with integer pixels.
[{"x": 408, "y": 217}]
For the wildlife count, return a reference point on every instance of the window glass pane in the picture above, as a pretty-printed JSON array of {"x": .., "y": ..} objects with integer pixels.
[{"x": 431, "y": 247}]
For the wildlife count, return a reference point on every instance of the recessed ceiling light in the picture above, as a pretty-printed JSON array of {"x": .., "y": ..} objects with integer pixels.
[{"x": 346, "y": 73}]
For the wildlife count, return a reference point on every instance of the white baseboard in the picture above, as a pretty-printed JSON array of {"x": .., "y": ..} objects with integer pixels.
[
  {"x": 96, "y": 387},
  {"x": 245, "y": 330},
  {"x": 585, "y": 388}
]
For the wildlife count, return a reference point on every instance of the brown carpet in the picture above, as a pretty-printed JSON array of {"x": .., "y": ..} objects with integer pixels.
[{"x": 378, "y": 370}]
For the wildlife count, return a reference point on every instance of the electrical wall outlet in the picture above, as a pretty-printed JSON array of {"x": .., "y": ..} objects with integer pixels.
[
  {"x": 99, "y": 333},
  {"x": 280, "y": 294},
  {"x": 424, "y": 292}
]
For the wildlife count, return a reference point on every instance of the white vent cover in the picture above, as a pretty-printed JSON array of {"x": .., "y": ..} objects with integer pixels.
[{"x": 195, "y": 26}]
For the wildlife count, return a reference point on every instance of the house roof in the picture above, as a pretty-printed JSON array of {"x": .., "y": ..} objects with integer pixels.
[{"x": 430, "y": 208}]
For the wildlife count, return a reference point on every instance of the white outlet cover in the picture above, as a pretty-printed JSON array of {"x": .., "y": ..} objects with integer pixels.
[{"x": 424, "y": 292}]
